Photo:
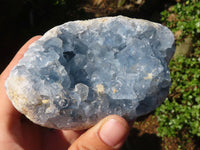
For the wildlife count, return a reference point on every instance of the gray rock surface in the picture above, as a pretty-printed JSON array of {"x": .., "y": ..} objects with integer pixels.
[
  {"x": 82, "y": 71},
  {"x": 184, "y": 49}
]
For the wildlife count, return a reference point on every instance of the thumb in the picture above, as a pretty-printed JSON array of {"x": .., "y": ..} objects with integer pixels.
[{"x": 110, "y": 133}]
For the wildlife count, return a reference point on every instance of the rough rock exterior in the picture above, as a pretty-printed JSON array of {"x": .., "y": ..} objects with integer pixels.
[{"x": 82, "y": 71}]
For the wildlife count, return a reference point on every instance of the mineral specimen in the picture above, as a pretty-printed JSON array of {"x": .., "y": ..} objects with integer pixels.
[{"x": 82, "y": 71}]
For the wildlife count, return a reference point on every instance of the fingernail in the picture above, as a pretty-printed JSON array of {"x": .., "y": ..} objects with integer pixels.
[{"x": 112, "y": 132}]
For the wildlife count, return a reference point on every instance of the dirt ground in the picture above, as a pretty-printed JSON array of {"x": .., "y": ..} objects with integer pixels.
[{"x": 143, "y": 136}]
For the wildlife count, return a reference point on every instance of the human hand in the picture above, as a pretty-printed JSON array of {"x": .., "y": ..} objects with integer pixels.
[{"x": 18, "y": 133}]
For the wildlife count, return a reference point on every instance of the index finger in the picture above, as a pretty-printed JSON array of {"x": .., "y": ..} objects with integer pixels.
[{"x": 7, "y": 110}]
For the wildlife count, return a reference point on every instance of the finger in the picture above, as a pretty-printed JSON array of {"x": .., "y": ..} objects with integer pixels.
[
  {"x": 71, "y": 135},
  {"x": 59, "y": 139},
  {"x": 7, "y": 110},
  {"x": 9, "y": 117},
  {"x": 110, "y": 133},
  {"x": 18, "y": 56}
]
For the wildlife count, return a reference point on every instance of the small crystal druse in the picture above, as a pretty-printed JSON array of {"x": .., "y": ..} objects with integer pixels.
[{"x": 82, "y": 71}]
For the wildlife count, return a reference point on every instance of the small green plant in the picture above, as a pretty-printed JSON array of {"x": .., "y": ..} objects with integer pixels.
[
  {"x": 184, "y": 20},
  {"x": 179, "y": 115},
  {"x": 121, "y": 3}
]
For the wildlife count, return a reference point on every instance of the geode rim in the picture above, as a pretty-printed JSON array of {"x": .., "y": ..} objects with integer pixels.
[{"x": 79, "y": 72}]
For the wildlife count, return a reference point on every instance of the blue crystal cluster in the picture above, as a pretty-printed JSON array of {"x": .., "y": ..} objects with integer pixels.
[{"x": 82, "y": 71}]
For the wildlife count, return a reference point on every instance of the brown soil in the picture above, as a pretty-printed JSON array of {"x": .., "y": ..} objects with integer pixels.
[{"x": 143, "y": 136}]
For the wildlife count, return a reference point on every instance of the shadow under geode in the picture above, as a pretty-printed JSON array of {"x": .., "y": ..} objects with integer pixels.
[{"x": 142, "y": 142}]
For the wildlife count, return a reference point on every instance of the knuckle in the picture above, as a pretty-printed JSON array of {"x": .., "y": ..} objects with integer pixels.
[{"x": 80, "y": 146}]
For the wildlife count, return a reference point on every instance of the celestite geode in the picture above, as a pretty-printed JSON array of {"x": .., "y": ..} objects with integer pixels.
[{"x": 82, "y": 71}]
